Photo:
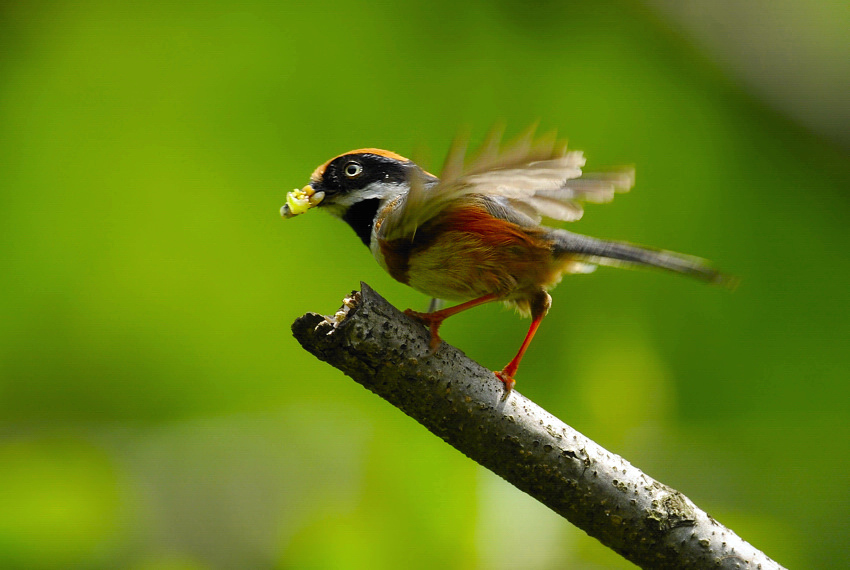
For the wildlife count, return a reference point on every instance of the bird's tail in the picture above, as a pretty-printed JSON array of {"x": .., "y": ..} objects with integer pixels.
[{"x": 604, "y": 252}]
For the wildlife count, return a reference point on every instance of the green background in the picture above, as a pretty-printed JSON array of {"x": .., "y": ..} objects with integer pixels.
[{"x": 155, "y": 411}]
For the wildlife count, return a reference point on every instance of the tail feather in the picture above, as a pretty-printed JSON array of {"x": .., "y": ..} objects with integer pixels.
[{"x": 604, "y": 252}]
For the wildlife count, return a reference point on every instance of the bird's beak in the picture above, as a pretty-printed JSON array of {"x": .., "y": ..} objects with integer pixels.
[{"x": 299, "y": 201}]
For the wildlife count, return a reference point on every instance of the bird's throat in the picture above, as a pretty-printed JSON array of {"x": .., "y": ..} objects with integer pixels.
[{"x": 361, "y": 217}]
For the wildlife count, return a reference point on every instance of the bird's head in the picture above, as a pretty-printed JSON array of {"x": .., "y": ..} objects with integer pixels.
[
  {"x": 354, "y": 179},
  {"x": 354, "y": 186}
]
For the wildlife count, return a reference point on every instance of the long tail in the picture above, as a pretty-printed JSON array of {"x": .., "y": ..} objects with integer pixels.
[{"x": 603, "y": 252}]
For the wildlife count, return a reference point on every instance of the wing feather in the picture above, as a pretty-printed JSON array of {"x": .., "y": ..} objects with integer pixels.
[{"x": 538, "y": 177}]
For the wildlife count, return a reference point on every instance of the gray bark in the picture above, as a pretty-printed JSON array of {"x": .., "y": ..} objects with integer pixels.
[{"x": 463, "y": 403}]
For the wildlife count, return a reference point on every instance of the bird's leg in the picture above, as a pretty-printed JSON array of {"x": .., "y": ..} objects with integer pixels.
[
  {"x": 539, "y": 307},
  {"x": 435, "y": 305},
  {"x": 435, "y": 319}
]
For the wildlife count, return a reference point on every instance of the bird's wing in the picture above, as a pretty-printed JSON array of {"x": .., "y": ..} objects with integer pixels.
[{"x": 536, "y": 177}]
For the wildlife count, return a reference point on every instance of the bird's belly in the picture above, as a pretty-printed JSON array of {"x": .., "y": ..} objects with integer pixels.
[
  {"x": 461, "y": 265},
  {"x": 456, "y": 270}
]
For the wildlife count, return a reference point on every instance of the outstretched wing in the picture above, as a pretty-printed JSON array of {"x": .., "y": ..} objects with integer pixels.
[{"x": 535, "y": 177}]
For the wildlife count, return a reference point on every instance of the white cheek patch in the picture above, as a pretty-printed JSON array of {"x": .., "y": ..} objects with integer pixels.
[
  {"x": 338, "y": 204},
  {"x": 375, "y": 190}
]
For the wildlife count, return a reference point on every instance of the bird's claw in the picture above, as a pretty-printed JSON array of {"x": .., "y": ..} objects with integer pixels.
[
  {"x": 433, "y": 325},
  {"x": 507, "y": 379}
]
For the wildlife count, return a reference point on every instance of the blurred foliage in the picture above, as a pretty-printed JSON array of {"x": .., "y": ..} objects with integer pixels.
[{"x": 155, "y": 413}]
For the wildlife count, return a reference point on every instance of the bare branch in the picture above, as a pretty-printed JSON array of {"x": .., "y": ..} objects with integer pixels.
[{"x": 645, "y": 521}]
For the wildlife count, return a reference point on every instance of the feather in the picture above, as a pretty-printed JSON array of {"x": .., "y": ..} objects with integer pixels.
[
  {"x": 616, "y": 253},
  {"x": 538, "y": 177}
]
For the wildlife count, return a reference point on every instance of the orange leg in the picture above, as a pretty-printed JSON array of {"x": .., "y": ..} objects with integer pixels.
[
  {"x": 435, "y": 319},
  {"x": 539, "y": 307},
  {"x": 506, "y": 375}
]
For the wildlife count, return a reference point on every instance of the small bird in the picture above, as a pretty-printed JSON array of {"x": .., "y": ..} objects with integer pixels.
[{"x": 474, "y": 234}]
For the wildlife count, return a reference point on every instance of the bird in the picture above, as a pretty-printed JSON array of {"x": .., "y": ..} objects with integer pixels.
[{"x": 474, "y": 234}]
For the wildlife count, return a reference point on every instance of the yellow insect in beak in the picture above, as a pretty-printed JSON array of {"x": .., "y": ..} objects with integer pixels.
[{"x": 299, "y": 201}]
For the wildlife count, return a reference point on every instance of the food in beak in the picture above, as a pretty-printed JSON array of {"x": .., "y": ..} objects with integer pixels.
[{"x": 299, "y": 201}]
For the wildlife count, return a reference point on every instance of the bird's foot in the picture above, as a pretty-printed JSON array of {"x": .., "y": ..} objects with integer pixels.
[
  {"x": 507, "y": 378},
  {"x": 433, "y": 322}
]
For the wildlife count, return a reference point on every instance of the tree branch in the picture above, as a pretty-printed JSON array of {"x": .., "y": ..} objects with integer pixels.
[{"x": 645, "y": 521}]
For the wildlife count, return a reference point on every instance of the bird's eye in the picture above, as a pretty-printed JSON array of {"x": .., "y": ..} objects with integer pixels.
[{"x": 352, "y": 169}]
